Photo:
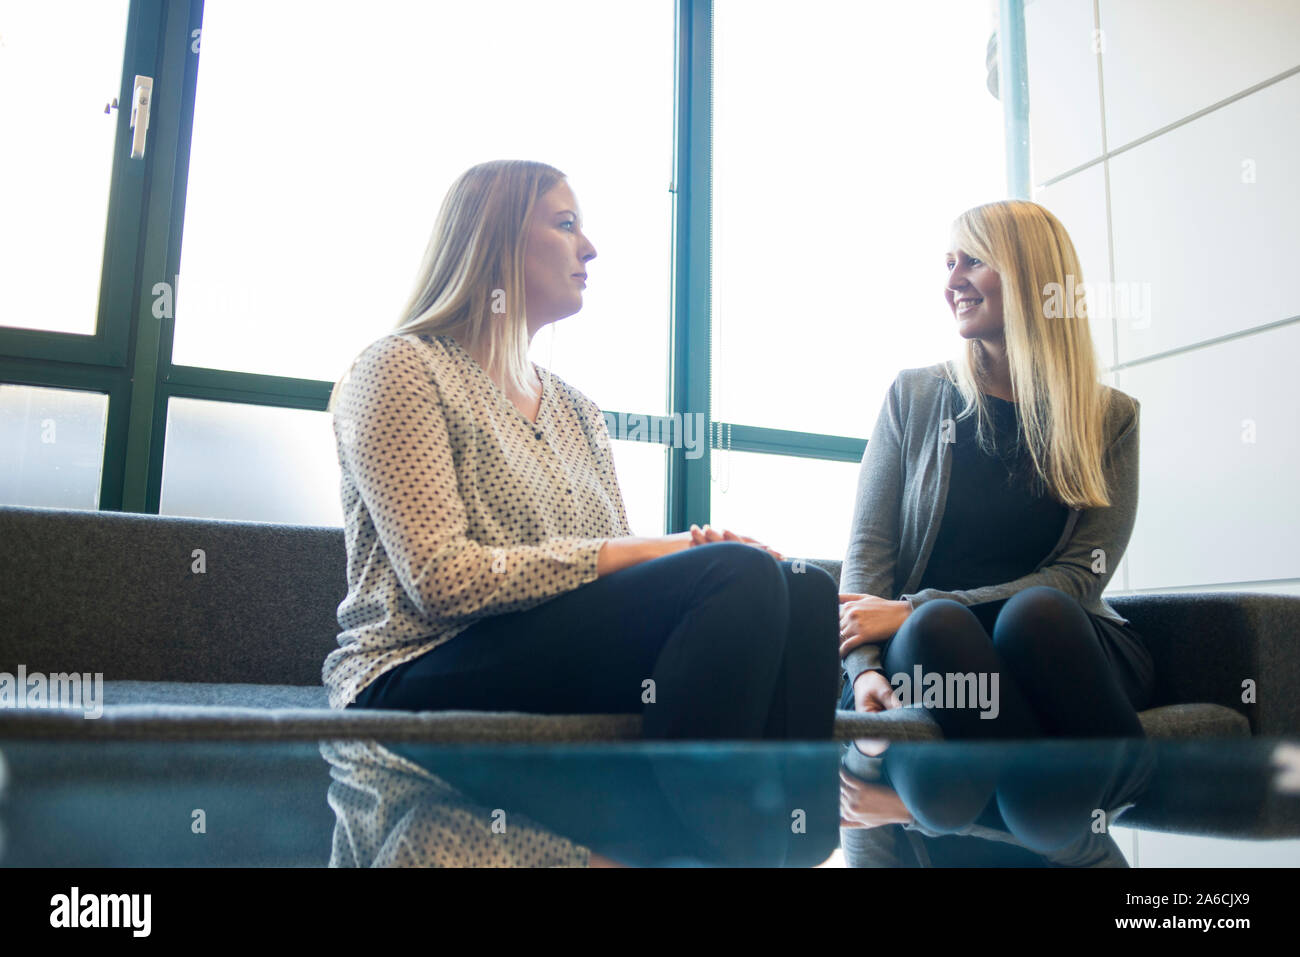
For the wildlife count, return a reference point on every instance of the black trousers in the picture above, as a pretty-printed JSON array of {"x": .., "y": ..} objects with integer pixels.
[
  {"x": 1061, "y": 672},
  {"x": 717, "y": 641},
  {"x": 691, "y": 805}
]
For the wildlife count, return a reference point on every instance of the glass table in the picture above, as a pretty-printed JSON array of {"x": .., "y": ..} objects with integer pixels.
[{"x": 362, "y": 803}]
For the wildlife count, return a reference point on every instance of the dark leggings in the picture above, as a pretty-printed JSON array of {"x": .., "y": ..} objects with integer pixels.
[
  {"x": 1046, "y": 801},
  {"x": 716, "y": 641},
  {"x": 1059, "y": 673}
]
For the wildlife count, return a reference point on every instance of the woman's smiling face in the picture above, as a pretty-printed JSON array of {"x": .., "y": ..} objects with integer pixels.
[
  {"x": 555, "y": 257},
  {"x": 974, "y": 294}
]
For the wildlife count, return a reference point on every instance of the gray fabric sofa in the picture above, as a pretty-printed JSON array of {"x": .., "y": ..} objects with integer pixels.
[{"x": 235, "y": 650}]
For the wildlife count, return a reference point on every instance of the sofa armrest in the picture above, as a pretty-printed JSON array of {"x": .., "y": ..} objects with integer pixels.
[{"x": 1206, "y": 645}]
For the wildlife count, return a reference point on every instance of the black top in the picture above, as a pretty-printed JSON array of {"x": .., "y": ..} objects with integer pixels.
[{"x": 999, "y": 522}]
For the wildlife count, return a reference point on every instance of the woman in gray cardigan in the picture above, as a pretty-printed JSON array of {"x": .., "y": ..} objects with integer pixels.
[{"x": 996, "y": 497}]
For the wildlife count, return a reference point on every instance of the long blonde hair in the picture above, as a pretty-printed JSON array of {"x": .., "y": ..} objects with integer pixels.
[
  {"x": 1061, "y": 404},
  {"x": 471, "y": 279}
]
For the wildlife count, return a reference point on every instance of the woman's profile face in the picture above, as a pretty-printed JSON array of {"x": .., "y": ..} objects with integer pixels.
[
  {"x": 556, "y": 254},
  {"x": 974, "y": 294}
]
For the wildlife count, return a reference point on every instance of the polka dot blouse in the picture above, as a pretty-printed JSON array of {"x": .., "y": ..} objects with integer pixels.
[
  {"x": 455, "y": 505},
  {"x": 390, "y": 812}
]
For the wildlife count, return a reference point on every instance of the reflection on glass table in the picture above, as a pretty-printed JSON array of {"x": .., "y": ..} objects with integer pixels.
[
  {"x": 423, "y": 806},
  {"x": 353, "y": 803},
  {"x": 1061, "y": 805}
]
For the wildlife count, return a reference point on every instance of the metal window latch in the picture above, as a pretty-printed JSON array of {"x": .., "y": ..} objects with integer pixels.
[{"x": 141, "y": 97}]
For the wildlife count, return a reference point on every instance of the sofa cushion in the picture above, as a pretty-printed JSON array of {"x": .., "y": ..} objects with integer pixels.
[
  {"x": 897, "y": 724},
  {"x": 1207, "y": 646},
  {"x": 239, "y": 646},
  {"x": 125, "y": 595},
  {"x": 1194, "y": 721},
  {"x": 223, "y": 695},
  {"x": 1170, "y": 721},
  {"x": 168, "y": 710},
  {"x": 143, "y": 721}
]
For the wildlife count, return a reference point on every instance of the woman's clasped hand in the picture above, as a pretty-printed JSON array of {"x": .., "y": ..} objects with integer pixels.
[
  {"x": 708, "y": 534},
  {"x": 866, "y": 618}
]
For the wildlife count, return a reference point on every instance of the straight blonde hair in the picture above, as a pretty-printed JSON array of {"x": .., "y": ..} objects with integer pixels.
[
  {"x": 471, "y": 279},
  {"x": 1061, "y": 405}
]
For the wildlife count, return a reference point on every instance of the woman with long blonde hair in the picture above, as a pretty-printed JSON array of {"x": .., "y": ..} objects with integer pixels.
[
  {"x": 995, "y": 500},
  {"x": 490, "y": 563}
]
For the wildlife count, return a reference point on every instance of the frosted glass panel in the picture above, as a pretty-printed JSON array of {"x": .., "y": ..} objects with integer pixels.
[
  {"x": 60, "y": 65},
  {"x": 250, "y": 463},
  {"x": 313, "y": 188},
  {"x": 51, "y": 446},
  {"x": 847, "y": 137},
  {"x": 800, "y": 507},
  {"x": 642, "y": 476}
]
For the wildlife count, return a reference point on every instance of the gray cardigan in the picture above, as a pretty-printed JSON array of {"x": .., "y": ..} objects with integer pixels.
[{"x": 903, "y": 487}]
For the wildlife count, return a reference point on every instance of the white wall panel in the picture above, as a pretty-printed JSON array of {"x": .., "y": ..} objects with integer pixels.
[
  {"x": 1064, "y": 95},
  {"x": 1220, "y": 457},
  {"x": 1205, "y": 217},
  {"x": 1166, "y": 59}
]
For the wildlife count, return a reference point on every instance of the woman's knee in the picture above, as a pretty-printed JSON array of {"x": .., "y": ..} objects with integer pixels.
[
  {"x": 940, "y": 626},
  {"x": 740, "y": 575},
  {"x": 810, "y": 586},
  {"x": 1044, "y": 629},
  {"x": 1040, "y": 617},
  {"x": 1042, "y": 602},
  {"x": 814, "y": 612},
  {"x": 744, "y": 563}
]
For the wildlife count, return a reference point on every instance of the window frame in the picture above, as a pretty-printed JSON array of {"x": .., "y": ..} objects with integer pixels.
[{"x": 129, "y": 357}]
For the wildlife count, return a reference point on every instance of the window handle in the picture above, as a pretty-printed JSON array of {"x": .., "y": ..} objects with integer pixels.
[{"x": 140, "y": 100}]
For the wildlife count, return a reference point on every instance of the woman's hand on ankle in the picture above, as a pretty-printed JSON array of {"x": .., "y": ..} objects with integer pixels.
[
  {"x": 870, "y": 805},
  {"x": 872, "y": 692}
]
